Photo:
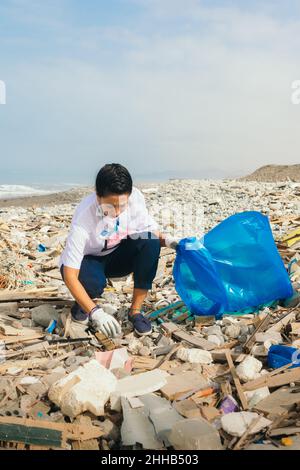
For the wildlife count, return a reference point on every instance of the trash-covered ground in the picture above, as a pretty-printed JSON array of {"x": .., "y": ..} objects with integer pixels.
[{"x": 195, "y": 383}]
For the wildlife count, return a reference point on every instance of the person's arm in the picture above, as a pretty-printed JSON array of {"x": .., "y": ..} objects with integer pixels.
[{"x": 77, "y": 290}]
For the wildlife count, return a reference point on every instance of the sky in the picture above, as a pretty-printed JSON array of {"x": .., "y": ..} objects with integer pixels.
[{"x": 168, "y": 88}]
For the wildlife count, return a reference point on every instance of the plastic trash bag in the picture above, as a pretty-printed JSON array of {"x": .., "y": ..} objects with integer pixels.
[{"x": 235, "y": 266}]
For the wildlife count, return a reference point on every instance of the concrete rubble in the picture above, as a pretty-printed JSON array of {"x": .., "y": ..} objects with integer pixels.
[
  {"x": 195, "y": 434},
  {"x": 194, "y": 383},
  {"x": 194, "y": 356},
  {"x": 236, "y": 424},
  {"x": 88, "y": 388},
  {"x": 249, "y": 369}
]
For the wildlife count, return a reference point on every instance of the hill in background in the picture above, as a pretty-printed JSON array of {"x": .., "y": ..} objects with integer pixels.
[{"x": 275, "y": 173}]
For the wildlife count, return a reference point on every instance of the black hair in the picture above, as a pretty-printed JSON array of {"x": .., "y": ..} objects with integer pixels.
[{"x": 113, "y": 178}]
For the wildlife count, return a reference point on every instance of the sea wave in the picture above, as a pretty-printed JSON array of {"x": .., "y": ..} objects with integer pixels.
[{"x": 11, "y": 191}]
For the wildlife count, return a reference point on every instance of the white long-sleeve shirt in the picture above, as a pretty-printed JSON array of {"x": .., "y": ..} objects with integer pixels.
[{"x": 92, "y": 233}]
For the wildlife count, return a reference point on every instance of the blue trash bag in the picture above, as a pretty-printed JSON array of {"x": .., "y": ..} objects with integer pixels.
[
  {"x": 279, "y": 355},
  {"x": 233, "y": 267}
]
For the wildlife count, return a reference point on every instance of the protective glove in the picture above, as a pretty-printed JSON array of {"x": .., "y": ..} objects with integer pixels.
[
  {"x": 105, "y": 323},
  {"x": 171, "y": 242}
]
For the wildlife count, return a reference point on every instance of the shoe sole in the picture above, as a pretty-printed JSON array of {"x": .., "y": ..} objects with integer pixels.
[
  {"x": 83, "y": 323},
  {"x": 143, "y": 334}
]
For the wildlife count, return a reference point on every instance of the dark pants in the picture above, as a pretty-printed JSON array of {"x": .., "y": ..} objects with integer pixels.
[{"x": 134, "y": 255}]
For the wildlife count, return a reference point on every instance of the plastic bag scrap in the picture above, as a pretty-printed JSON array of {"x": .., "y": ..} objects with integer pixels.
[
  {"x": 280, "y": 355},
  {"x": 233, "y": 267}
]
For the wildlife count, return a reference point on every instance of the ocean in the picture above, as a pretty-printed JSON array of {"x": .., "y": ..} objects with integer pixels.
[{"x": 11, "y": 191}]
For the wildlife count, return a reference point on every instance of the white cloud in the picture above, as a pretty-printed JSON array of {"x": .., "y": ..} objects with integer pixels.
[{"x": 208, "y": 97}]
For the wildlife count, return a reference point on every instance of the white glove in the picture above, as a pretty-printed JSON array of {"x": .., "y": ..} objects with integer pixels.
[
  {"x": 106, "y": 323},
  {"x": 171, "y": 242}
]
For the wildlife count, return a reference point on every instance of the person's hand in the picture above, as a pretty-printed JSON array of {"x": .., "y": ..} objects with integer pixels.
[
  {"x": 171, "y": 242},
  {"x": 105, "y": 323}
]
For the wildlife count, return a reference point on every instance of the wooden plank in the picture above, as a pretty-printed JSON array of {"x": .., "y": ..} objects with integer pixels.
[
  {"x": 91, "y": 444},
  {"x": 28, "y": 364},
  {"x": 88, "y": 444},
  {"x": 37, "y": 347},
  {"x": 50, "y": 301},
  {"x": 20, "y": 339},
  {"x": 236, "y": 380},
  {"x": 181, "y": 335},
  {"x": 168, "y": 356},
  {"x": 9, "y": 308},
  {"x": 281, "y": 323},
  {"x": 244, "y": 437},
  {"x": 148, "y": 363},
  {"x": 219, "y": 355},
  {"x": 284, "y": 379},
  {"x": 289, "y": 431},
  {"x": 107, "y": 343},
  {"x": 295, "y": 329},
  {"x": 274, "y": 378},
  {"x": 39, "y": 294},
  {"x": 262, "y": 325},
  {"x": 278, "y": 403}
]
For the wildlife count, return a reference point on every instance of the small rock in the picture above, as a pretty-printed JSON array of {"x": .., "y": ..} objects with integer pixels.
[
  {"x": 44, "y": 314},
  {"x": 26, "y": 322},
  {"x": 227, "y": 321},
  {"x": 213, "y": 330},
  {"x": 244, "y": 330},
  {"x": 243, "y": 338},
  {"x": 144, "y": 351},
  {"x": 57, "y": 417},
  {"x": 217, "y": 340},
  {"x": 147, "y": 341},
  {"x": 232, "y": 331},
  {"x": 76, "y": 360},
  {"x": 26, "y": 402},
  {"x": 111, "y": 431},
  {"x": 37, "y": 390},
  {"x": 134, "y": 346}
]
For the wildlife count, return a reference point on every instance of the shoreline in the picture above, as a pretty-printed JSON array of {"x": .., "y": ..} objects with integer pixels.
[{"x": 71, "y": 196}]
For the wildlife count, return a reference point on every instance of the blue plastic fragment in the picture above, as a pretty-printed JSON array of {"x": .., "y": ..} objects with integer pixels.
[
  {"x": 280, "y": 355},
  {"x": 52, "y": 326},
  {"x": 41, "y": 248}
]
